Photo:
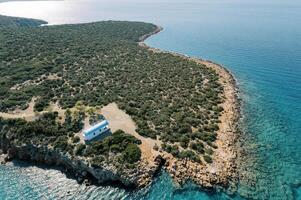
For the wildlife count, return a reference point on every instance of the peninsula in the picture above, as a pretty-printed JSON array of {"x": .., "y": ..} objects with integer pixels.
[{"x": 165, "y": 110}]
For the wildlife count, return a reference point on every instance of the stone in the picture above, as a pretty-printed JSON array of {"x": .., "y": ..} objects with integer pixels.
[{"x": 84, "y": 173}]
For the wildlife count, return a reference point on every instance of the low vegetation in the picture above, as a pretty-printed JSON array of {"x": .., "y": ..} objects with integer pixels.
[
  {"x": 19, "y": 22},
  {"x": 170, "y": 98},
  {"x": 47, "y": 131}
]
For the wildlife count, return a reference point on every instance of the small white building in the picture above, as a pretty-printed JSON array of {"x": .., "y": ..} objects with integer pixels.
[{"x": 100, "y": 130}]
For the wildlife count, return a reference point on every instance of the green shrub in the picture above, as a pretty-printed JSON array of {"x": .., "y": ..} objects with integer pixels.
[
  {"x": 208, "y": 159},
  {"x": 40, "y": 104},
  {"x": 120, "y": 137},
  {"x": 174, "y": 150},
  {"x": 61, "y": 143},
  {"x": 197, "y": 146},
  {"x": 209, "y": 151},
  {"x": 156, "y": 147},
  {"x": 164, "y": 94},
  {"x": 116, "y": 148},
  {"x": 97, "y": 161},
  {"x": 75, "y": 139},
  {"x": 79, "y": 149},
  {"x": 184, "y": 141},
  {"x": 132, "y": 153}
]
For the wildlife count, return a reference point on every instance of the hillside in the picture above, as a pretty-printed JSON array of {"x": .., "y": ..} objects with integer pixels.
[
  {"x": 174, "y": 101},
  {"x": 19, "y": 22}
]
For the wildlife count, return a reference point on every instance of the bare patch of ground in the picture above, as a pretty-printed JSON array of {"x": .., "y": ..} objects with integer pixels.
[
  {"x": 118, "y": 119},
  {"x": 30, "y": 115}
]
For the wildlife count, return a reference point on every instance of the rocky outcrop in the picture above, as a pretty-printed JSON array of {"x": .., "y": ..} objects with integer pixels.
[
  {"x": 222, "y": 172},
  {"x": 157, "y": 30},
  {"x": 80, "y": 167}
]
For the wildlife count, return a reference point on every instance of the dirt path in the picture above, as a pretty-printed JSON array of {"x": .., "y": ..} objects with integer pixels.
[
  {"x": 27, "y": 114},
  {"x": 30, "y": 115}
]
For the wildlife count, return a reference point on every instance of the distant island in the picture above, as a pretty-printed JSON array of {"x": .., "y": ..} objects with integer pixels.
[{"x": 165, "y": 110}]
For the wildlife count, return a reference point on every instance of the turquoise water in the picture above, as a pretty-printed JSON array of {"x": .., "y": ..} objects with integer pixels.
[{"x": 259, "y": 41}]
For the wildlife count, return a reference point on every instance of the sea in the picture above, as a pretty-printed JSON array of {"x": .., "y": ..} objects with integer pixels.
[{"x": 259, "y": 41}]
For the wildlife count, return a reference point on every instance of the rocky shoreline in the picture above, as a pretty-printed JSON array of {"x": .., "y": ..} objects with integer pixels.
[
  {"x": 221, "y": 173},
  {"x": 80, "y": 167}
]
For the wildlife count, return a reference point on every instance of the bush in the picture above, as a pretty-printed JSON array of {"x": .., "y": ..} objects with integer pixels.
[
  {"x": 174, "y": 150},
  {"x": 209, "y": 151},
  {"x": 207, "y": 137},
  {"x": 61, "y": 143},
  {"x": 119, "y": 137},
  {"x": 116, "y": 148},
  {"x": 40, "y": 105},
  {"x": 156, "y": 147},
  {"x": 212, "y": 145},
  {"x": 164, "y": 146},
  {"x": 97, "y": 161},
  {"x": 188, "y": 154},
  {"x": 197, "y": 146},
  {"x": 97, "y": 148},
  {"x": 79, "y": 149},
  {"x": 184, "y": 141},
  {"x": 132, "y": 153},
  {"x": 208, "y": 159},
  {"x": 75, "y": 139}
]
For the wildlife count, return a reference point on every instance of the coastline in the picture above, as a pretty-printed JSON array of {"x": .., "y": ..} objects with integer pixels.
[{"x": 222, "y": 172}]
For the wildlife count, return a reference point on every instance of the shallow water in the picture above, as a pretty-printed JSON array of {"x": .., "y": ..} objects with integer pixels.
[{"x": 259, "y": 41}]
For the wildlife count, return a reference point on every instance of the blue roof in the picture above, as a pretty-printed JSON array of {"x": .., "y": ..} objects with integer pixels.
[{"x": 96, "y": 127}]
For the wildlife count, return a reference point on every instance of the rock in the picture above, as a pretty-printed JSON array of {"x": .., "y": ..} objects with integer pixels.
[
  {"x": 2, "y": 160},
  {"x": 174, "y": 167},
  {"x": 84, "y": 173},
  {"x": 11, "y": 153},
  {"x": 7, "y": 159},
  {"x": 159, "y": 160},
  {"x": 80, "y": 168},
  {"x": 87, "y": 182},
  {"x": 80, "y": 179},
  {"x": 166, "y": 163}
]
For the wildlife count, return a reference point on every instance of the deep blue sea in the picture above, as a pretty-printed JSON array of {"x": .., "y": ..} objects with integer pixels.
[{"x": 259, "y": 41}]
